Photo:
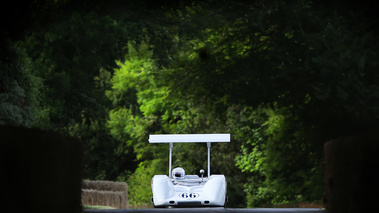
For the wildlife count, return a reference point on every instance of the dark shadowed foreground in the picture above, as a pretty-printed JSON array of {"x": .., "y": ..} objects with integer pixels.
[
  {"x": 221, "y": 210},
  {"x": 41, "y": 171}
]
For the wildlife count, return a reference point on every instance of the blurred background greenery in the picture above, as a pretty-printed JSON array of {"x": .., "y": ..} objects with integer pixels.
[{"x": 282, "y": 77}]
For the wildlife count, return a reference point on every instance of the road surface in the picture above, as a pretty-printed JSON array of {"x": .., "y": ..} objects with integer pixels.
[{"x": 210, "y": 210}]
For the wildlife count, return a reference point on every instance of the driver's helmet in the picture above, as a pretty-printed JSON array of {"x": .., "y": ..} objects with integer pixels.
[{"x": 178, "y": 173}]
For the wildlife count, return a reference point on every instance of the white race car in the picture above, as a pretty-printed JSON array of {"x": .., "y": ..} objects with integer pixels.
[{"x": 181, "y": 190}]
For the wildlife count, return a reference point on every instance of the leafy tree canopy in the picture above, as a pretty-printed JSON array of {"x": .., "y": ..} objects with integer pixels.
[{"x": 281, "y": 77}]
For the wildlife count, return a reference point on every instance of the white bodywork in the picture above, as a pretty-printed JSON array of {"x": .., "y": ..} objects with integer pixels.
[{"x": 189, "y": 190}]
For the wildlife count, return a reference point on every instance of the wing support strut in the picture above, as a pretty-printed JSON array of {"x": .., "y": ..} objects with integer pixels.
[
  {"x": 189, "y": 138},
  {"x": 209, "y": 158},
  {"x": 170, "y": 160}
]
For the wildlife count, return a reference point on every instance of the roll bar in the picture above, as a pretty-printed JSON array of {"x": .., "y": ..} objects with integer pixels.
[{"x": 189, "y": 138}]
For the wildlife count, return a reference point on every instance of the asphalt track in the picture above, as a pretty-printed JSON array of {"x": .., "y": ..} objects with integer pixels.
[{"x": 216, "y": 210}]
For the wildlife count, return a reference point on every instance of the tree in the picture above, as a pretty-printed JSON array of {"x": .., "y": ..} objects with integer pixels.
[
  {"x": 20, "y": 89},
  {"x": 281, "y": 77},
  {"x": 309, "y": 67},
  {"x": 71, "y": 49}
]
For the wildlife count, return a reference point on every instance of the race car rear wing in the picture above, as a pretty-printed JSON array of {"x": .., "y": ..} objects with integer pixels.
[{"x": 189, "y": 138}]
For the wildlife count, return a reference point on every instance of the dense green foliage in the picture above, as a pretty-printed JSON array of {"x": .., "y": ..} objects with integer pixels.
[
  {"x": 20, "y": 89},
  {"x": 281, "y": 77}
]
